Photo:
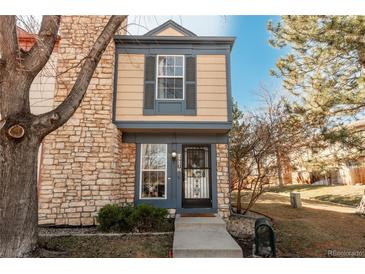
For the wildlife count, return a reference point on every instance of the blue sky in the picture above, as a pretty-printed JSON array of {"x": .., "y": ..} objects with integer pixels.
[{"x": 251, "y": 59}]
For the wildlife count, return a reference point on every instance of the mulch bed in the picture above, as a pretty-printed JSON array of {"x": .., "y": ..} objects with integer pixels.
[
  {"x": 242, "y": 229},
  {"x": 111, "y": 246}
]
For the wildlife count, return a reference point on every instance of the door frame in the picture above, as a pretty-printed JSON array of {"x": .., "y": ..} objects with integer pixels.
[
  {"x": 174, "y": 197},
  {"x": 196, "y": 202}
]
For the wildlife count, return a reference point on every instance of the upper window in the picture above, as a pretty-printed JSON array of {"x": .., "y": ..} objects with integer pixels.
[{"x": 170, "y": 77}]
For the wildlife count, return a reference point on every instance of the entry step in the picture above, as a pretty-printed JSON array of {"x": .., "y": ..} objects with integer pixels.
[
  {"x": 199, "y": 223},
  {"x": 203, "y": 237}
]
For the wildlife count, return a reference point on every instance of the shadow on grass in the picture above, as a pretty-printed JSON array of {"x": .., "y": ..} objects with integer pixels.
[
  {"x": 350, "y": 200},
  {"x": 290, "y": 188}
]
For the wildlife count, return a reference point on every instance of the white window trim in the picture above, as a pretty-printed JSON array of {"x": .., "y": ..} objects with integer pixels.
[
  {"x": 140, "y": 175},
  {"x": 157, "y": 76}
]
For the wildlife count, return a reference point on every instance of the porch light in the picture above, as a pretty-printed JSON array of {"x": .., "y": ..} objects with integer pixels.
[{"x": 173, "y": 155}]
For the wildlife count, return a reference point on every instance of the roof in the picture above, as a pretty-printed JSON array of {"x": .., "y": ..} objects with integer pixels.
[
  {"x": 170, "y": 24},
  {"x": 188, "y": 37},
  {"x": 27, "y": 40}
]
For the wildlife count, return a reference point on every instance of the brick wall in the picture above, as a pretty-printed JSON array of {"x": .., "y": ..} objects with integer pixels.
[
  {"x": 82, "y": 164},
  {"x": 223, "y": 180}
]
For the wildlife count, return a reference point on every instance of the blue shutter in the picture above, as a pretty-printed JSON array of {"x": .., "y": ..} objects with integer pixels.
[
  {"x": 190, "y": 83},
  {"x": 149, "y": 82}
]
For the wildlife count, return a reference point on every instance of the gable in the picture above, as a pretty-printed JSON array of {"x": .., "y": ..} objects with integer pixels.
[
  {"x": 170, "y": 28},
  {"x": 170, "y": 32}
]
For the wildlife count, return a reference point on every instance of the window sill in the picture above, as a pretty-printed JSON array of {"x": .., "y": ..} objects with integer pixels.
[
  {"x": 149, "y": 112},
  {"x": 169, "y": 107}
]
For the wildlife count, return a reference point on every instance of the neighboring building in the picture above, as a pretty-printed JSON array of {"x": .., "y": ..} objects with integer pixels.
[
  {"x": 152, "y": 127},
  {"x": 350, "y": 173}
]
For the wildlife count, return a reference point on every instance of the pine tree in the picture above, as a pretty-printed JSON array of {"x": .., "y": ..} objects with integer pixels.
[{"x": 324, "y": 66}]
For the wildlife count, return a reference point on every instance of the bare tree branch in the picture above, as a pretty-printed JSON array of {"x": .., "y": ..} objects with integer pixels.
[
  {"x": 52, "y": 120},
  {"x": 9, "y": 47},
  {"x": 37, "y": 57}
]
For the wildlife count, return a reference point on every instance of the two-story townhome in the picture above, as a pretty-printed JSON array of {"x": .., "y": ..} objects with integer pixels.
[{"x": 151, "y": 129}]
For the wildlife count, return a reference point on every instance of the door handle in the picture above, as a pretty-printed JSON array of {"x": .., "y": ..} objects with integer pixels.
[{"x": 168, "y": 178}]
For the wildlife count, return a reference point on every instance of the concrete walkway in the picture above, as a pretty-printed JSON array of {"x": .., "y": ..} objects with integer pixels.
[{"x": 203, "y": 237}]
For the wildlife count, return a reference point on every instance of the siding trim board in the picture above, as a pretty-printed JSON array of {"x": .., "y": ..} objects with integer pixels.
[
  {"x": 115, "y": 84},
  {"x": 124, "y": 40},
  {"x": 171, "y": 138},
  {"x": 225, "y": 126},
  {"x": 229, "y": 91},
  {"x": 162, "y": 49}
]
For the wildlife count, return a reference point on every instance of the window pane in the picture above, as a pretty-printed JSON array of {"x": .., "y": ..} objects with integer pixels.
[
  {"x": 161, "y": 88},
  {"x": 178, "y": 93},
  {"x": 169, "y": 71},
  {"x": 170, "y": 88},
  {"x": 178, "y": 71},
  {"x": 153, "y": 184},
  {"x": 161, "y": 65},
  {"x": 153, "y": 173},
  {"x": 170, "y": 93},
  {"x": 170, "y": 61},
  {"x": 179, "y": 83},
  {"x": 179, "y": 61}
]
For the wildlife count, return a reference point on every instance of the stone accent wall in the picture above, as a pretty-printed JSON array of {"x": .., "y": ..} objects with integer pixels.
[
  {"x": 223, "y": 180},
  {"x": 128, "y": 172},
  {"x": 82, "y": 164}
]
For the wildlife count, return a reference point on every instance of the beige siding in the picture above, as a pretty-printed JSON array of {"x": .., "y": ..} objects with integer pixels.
[
  {"x": 170, "y": 32},
  {"x": 41, "y": 94},
  {"x": 211, "y": 90}
]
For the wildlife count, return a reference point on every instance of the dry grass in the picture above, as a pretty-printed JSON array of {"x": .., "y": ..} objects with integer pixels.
[
  {"x": 346, "y": 195},
  {"x": 314, "y": 229},
  {"x": 129, "y": 246}
]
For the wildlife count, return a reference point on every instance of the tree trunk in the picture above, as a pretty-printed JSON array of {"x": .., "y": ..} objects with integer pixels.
[
  {"x": 18, "y": 192},
  {"x": 295, "y": 200},
  {"x": 279, "y": 168},
  {"x": 238, "y": 202},
  {"x": 22, "y": 132}
]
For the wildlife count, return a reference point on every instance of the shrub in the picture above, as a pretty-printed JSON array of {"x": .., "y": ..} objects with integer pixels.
[
  {"x": 114, "y": 218},
  {"x": 141, "y": 218},
  {"x": 148, "y": 218}
]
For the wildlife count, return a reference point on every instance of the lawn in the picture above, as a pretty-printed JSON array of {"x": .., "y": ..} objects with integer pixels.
[
  {"x": 124, "y": 246},
  {"x": 345, "y": 195},
  {"x": 313, "y": 230}
]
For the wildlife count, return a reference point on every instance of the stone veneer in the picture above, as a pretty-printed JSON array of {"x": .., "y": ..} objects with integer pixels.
[
  {"x": 82, "y": 164},
  {"x": 223, "y": 188}
]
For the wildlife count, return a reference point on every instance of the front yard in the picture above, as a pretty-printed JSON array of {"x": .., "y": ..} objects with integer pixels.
[
  {"x": 96, "y": 246},
  {"x": 315, "y": 229}
]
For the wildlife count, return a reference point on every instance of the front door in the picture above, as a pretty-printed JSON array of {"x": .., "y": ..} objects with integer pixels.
[{"x": 196, "y": 186}]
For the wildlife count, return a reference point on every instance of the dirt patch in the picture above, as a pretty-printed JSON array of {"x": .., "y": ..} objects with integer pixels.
[{"x": 94, "y": 246}]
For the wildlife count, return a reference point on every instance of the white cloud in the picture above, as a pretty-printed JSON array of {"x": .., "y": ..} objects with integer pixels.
[{"x": 200, "y": 25}]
